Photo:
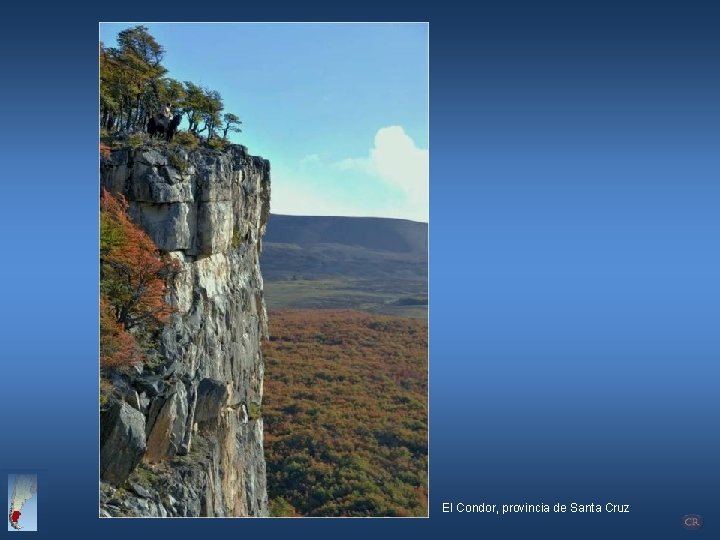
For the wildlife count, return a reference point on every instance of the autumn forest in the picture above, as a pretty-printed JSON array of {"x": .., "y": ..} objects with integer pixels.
[{"x": 345, "y": 412}]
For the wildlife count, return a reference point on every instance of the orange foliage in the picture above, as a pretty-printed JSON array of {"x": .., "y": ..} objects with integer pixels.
[
  {"x": 345, "y": 411},
  {"x": 132, "y": 269},
  {"x": 132, "y": 285},
  {"x": 117, "y": 347},
  {"x": 104, "y": 150}
]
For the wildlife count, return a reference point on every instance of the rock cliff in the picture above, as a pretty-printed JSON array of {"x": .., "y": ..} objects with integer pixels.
[{"x": 184, "y": 437}]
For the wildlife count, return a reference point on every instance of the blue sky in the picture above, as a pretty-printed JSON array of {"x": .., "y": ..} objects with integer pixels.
[{"x": 340, "y": 110}]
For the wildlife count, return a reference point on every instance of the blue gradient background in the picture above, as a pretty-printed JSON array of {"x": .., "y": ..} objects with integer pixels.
[{"x": 574, "y": 266}]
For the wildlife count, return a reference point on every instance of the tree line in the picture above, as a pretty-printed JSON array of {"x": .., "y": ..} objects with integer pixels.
[
  {"x": 134, "y": 86},
  {"x": 345, "y": 414}
]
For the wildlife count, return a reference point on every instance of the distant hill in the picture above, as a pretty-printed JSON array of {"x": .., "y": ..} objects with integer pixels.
[
  {"x": 380, "y": 234},
  {"x": 375, "y": 264}
]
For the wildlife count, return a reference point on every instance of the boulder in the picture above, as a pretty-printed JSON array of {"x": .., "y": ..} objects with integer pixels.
[
  {"x": 131, "y": 398},
  {"x": 141, "y": 491},
  {"x": 166, "y": 426},
  {"x": 122, "y": 441}
]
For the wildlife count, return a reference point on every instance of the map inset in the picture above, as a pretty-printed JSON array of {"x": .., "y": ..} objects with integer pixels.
[{"x": 22, "y": 502}]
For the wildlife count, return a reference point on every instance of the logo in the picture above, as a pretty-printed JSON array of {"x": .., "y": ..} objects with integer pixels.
[{"x": 692, "y": 522}]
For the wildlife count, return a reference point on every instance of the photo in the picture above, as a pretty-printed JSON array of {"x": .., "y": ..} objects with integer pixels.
[{"x": 263, "y": 269}]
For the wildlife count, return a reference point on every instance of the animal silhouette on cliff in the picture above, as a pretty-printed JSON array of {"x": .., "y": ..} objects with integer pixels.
[{"x": 161, "y": 125}]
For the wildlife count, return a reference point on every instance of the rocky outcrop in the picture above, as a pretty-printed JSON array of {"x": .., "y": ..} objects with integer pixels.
[
  {"x": 122, "y": 441},
  {"x": 203, "y": 456}
]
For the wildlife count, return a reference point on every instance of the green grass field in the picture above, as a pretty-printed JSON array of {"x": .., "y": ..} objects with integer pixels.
[{"x": 403, "y": 298}]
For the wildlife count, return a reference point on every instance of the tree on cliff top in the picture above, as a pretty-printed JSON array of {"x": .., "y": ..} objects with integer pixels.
[
  {"x": 132, "y": 284},
  {"x": 139, "y": 46},
  {"x": 232, "y": 123},
  {"x": 128, "y": 75},
  {"x": 202, "y": 105},
  {"x": 133, "y": 85}
]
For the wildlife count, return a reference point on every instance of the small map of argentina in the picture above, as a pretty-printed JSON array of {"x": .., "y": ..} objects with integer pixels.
[{"x": 22, "y": 501}]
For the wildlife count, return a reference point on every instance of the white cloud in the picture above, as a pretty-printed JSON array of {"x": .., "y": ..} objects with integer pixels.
[
  {"x": 400, "y": 164},
  {"x": 392, "y": 181},
  {"x": 295, "y": 198}
]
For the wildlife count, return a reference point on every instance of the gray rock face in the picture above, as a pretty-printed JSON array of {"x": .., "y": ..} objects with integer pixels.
[
  {"x": 199, "y": 202},
  {"x": 212, "y": 396},
  {"x": 122, "y": 441},
  {"x": 208, "y": 211}
]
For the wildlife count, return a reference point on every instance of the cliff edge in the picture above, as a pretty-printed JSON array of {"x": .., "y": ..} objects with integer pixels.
[{"x": 184, "y": 435}]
